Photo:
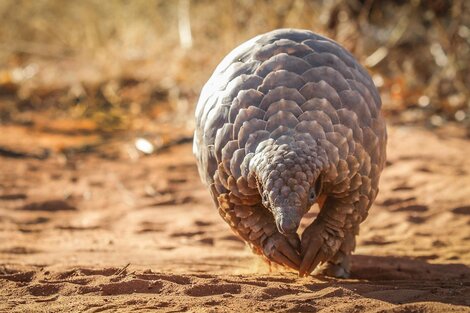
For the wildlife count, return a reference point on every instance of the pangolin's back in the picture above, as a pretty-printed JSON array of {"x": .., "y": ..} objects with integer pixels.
[{"x": 298, "y": 80}]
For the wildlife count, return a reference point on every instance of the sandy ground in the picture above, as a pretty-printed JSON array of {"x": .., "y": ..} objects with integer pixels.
[{"x": 100, "y": 233}]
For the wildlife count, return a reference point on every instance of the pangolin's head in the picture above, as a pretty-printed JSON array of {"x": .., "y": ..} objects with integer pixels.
[{"x": 289, "y": 183}]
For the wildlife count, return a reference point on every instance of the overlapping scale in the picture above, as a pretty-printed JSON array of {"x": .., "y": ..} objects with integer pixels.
[{"x": 286, "y": 86}]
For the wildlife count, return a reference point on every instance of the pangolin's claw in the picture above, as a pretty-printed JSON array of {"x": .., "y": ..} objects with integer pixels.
[
  {"x": 314, "y": 249},
  {"x": 311, "y": 255},
  {"x": 320, "y": 257},
  {"x": 288, "y": 250},
  {"x": 279, "y": 250},
  {"x": 278, "y": 257}
]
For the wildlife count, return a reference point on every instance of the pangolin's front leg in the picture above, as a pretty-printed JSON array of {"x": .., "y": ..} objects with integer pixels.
[
  {"x": 256, "y": 225},
  {"x": 329, "y": 238},
  {"x": 340, "y": 264}
]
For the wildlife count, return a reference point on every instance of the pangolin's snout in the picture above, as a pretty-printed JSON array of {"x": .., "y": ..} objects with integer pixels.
[{"x": 287, "y": 223}]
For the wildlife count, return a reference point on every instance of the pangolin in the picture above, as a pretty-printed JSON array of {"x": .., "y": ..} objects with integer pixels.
[{"x": 289, "y": 119}]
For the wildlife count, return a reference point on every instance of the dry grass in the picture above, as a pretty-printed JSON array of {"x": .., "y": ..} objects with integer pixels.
[{"x": 116, "y": 61}]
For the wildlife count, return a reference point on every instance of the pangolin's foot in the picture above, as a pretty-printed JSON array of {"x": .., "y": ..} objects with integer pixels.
[
  {"x": 334, "y": 270},
  {"x": 283, "y": 250},
  {"x": 339, "y": 266},
  {"x": 319, "y": 245}
]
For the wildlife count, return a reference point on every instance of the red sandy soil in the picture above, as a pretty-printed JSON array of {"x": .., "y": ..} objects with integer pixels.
[{"x": 100, "y": 233}]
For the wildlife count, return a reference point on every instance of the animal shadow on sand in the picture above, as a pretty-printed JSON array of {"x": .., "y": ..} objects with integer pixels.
[{"x": 401, "y": 280}]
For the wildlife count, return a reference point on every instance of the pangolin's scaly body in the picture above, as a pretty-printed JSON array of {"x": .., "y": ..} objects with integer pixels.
[{"x": 288, "y": 119}]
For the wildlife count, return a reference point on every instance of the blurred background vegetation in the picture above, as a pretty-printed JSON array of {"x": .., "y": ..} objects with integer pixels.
[{"x": 131, "y": 66}]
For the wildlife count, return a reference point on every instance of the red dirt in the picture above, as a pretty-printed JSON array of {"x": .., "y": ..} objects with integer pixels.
[{"x": 96, "y": 232}]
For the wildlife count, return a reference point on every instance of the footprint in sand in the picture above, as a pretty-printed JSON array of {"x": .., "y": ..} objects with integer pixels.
[
  {"x": 88, "y": 272},
  {"x": 416, "y": 219},
  {"x": 395, "y": 201},
  {"x": 43, "y": 289},
  {"x": 204, "y": 290},
  {"x": 200, "y": 223},
  {"x": 231, "y": 238},
  {"x": 177, "y": 279},
  {"x": 35, "y": 221},
  {"x": 402, "y": 188},
  {"x": 277, "y": 279},
  {"x": 212, "y": 302},
  {"x": 209, "y": 241},
  {"x": 413, "y": 208},
  {"x": 464, "y": 210},
  {"x": 23, "y": 277},
  {"x": 377, "y": 241},
  {"x": 188, "y": 234},
  {"x": 276, "y": 292},
  {"x": 147, "y": 227},
  {"x": 49, "y": 205},
  {"x": 20, "y": 250},
  {"x": 13, "y": 196},
  {"x": 250, "y": 283},
  {"x": 131, "y": 286}
]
